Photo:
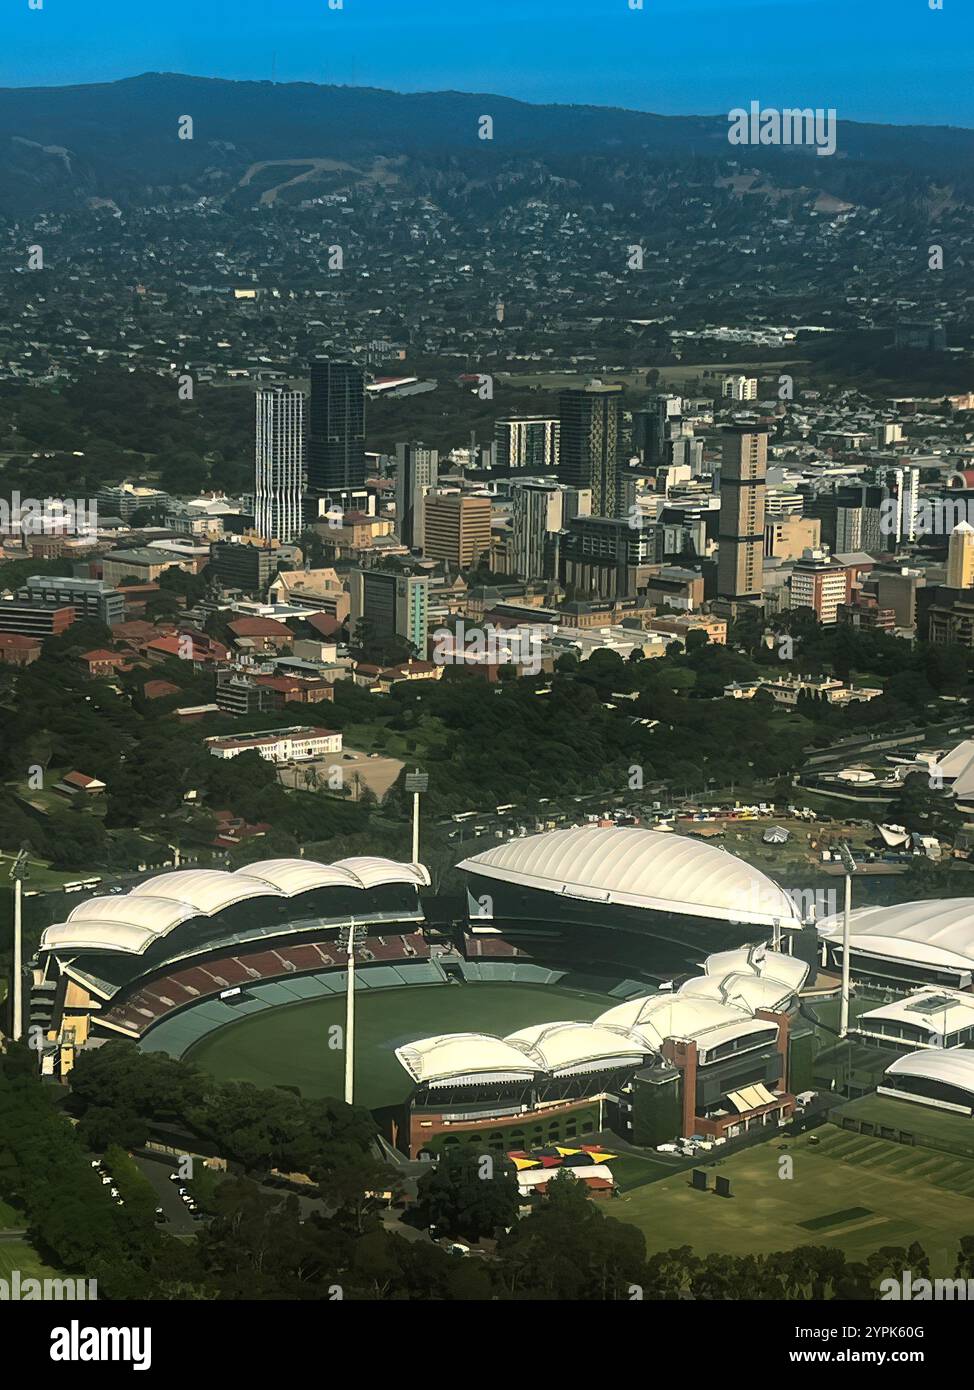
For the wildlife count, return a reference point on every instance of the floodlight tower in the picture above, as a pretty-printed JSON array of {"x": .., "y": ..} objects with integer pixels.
[
  {"x": 416, "y": 782},
  {"x": 20, "y": 870},
  {"x": 849, "y": 864},
  {"x": 354, "y": 936}
]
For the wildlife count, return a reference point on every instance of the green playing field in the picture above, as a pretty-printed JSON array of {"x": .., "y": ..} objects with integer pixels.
[
  {"x": 846, "y": 1190},
  {"x": 289, "y": 1046}
]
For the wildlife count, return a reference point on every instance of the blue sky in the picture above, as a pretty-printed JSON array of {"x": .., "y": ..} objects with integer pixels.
[{"x": 884, "y": 60}]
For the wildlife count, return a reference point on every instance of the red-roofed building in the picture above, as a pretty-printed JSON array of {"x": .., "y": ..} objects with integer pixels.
[
  {"x": 102, "y": 662},
  {"x": 296, "y": 689},
  {"x": 159, "y": 690},
  {"x": 18, "y": 650},
  {"x": 262, "y": 635},
  {"x": 324, "y": 624},
  {"x": 190, "y": 646},
  {"x": 73, "y": 782}
]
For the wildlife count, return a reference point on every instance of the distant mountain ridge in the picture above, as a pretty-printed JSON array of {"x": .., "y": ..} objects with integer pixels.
[{"x": 63, "y": 146}]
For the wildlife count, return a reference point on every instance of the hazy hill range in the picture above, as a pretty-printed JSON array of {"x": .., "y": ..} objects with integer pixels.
[{"x": 62, "y": 147}]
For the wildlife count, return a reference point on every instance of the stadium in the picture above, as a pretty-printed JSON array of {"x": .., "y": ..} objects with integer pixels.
[
  {"x": 245, "y": 973},
  {"x": 647, "y": 901},
  {"x": 902, "y": 947}
]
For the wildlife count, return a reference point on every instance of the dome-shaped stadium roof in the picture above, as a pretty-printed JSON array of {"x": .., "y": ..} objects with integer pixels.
[
  {"x": 953, "y": 1066},
  {"x": 575, "y": 1047},
  {"x": 464, "y": 1058},
  {"x": 639, "y": 868},
  {"x": 935, "y": 931}
]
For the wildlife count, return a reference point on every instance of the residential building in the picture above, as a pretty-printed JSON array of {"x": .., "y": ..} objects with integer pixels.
[
  {"x": 279, "y": 463},
  {"x": 743, "y": 478},
  {"x": 590, "y": 442},
  {"x": 739, "y": 388},
  {"x": 820, "y": 583},
  {"x": 529, "y": 441}
]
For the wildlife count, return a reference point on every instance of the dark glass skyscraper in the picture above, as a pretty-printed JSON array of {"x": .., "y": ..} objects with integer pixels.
[
  {"x": 590, "y": 440},
  {"x": 336, "y": 434}
]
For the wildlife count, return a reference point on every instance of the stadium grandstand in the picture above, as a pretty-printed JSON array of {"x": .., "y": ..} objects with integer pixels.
[
  {"x": 119, "y": 965},
  {"x": 927, "y": 1018},
  {"x": 715, "y": 1058},
  {"x": 642, "y": 900},
  {"x": 938, "y": 1078},
  {"x": 905, "y": 946}
]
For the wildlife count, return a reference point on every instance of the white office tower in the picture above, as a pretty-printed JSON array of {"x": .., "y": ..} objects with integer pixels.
[
  {"x": 537, "y": 510},
  {"x": 279, "y": 463}
]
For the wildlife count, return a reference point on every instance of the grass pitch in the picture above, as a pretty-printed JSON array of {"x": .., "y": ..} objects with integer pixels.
[
  {"x": 289, "y": 1046},
  {"x": 886, "y": 1193}
]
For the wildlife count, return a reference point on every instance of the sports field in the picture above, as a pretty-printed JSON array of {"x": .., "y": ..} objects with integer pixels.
[
  {"x": 289, "y": 1046},
  {"x": 848, "y": 1190}
]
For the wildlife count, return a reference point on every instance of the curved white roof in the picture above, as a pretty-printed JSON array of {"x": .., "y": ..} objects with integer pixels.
[
  {"x": 934, "y": 931},
  {"x": 748, "y": 992},
  {"x": 156, "y": 907},
  {"x": 158, "y": 915},
  {"x": 954, "y": 1067},
  {"x": 656, "y": 1017},
  {"x": 293, "y": 876},
  {"x": 573, "y": 1047},
  {"x": 205, "y": 890},
  {"x": 371, "y": 870},
  {"x": 464, "y": 1057},
  {"x": 648, "y": 869},
  {"x": 97, "y": 936},
  {"x": 759, "y": 961}
]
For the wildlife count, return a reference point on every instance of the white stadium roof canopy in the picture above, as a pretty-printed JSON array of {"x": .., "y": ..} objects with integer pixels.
[
  {"x": 464, "y": 1059},
  {"x": 749, "y": 992},
  {"x": 129, "y": 923},
  {"x": 953, "y": 1067},
  {"x": 631, "y": 867},
  {"x": 934, "y": 931},
  {"x": 97, "y": 936},
  {"x": 759, "y": 961},
  {"x": 574, "y": 1047},
  {"x": 207, "y": 890}
]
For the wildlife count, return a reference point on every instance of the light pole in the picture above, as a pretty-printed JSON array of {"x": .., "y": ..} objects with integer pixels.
[
  {"x": 416, "y": 782},
  {"x": 849, "y": 864},
  {"x": 20, "y": 870},
  {"x": 353, "y": 940}
]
